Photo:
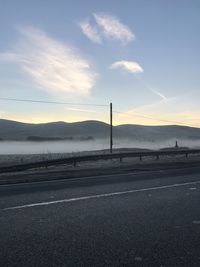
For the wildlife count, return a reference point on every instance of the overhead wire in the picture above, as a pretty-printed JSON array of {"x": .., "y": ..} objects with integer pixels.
[
  {"x": 51, "y": 102},
  {"x": 151, "y": 118},
  {"x": 97, "y": 105}
]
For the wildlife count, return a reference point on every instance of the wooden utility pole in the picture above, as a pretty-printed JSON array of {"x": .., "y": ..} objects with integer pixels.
[{"x": 111, "y": 129}]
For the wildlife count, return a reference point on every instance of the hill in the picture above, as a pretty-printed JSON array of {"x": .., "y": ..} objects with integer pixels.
[{"x": 13, "y": 130}]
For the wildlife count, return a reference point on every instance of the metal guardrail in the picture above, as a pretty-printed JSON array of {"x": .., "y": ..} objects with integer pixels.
[{"x": 120, "y": 156}]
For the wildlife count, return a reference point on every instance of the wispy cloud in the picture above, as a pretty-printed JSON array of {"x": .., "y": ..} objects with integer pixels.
[
  {"x": 82, "y": 110},
  {"x": 130, "y": 66},
  {"x": 153, "y": 90},
  {"x": 113, "y": 28},
  {"x": 156, "y": 92},
  {"x": 53, "y": 66},
  {"x": 151, "y": 108},
  {"x": 134, "y": 67},
  {"x": 106, "y": 26},
  {"x": 90, "y": 31}
]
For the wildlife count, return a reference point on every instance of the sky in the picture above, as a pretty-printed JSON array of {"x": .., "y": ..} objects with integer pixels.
[{"x": 143, "y": 56}]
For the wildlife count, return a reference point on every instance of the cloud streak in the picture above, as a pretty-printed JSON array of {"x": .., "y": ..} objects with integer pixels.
[
  {"x": 52, "y": 65},
  {"x": 137, "y": 116},
  {"x": 153, "y": 90},
  {"x": 113, "y": 28},
  {"x": 90, "y": 31},
  {"x": 106, "y": 26},
  {"x": 130, "y": 66},
  {"x": 156, "y": 92},
  {"x": 82, "y": 110}
]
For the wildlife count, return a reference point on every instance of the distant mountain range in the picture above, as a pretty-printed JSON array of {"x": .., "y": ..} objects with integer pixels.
[{"x": 88, "y": 130}]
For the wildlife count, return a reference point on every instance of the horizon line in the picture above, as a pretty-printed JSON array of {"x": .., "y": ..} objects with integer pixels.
[{"x": 101, "y": 121}]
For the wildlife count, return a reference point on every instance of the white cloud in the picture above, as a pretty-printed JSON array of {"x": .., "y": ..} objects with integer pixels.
[
  {"x": 106, "y": 26},
  {"x": 111, "y": 27},
  {"x": 90, "y": 31},
  {"x": 53, "y": 66},
  {"x": 130, "y": 66}
]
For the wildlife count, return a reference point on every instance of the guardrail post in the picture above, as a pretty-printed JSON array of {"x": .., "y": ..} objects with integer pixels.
[
  {"x": 186, "y": 155},
  {"x": 140, "y": 158},
  {"x": 74, "y": 163},
  {"x": 157, "y": 156},
  {"x": 120, "y": 159}
]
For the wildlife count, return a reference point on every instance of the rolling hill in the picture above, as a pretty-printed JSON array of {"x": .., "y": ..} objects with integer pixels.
[{"x": 13, "y": 130}]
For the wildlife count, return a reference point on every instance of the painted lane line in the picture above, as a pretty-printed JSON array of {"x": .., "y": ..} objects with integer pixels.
[{"x": 99, "y": 196}]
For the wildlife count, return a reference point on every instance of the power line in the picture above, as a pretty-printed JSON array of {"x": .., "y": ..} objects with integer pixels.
[
  {"x": 150, "y": 118},
  {"x": 89, "y": 104},
  {"x": 50, "y": 102}
]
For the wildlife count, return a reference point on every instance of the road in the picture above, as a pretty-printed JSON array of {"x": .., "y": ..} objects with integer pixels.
[{"x": 145, "y": 219}]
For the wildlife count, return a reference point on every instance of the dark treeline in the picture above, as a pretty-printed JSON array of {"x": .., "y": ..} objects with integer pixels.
[{"x": 68, "y": 138}]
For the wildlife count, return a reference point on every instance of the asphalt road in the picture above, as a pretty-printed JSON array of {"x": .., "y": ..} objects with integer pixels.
[{"x": 146, "y": 219}]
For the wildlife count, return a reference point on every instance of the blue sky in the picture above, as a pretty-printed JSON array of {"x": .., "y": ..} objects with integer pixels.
[{"x": 141, "y": 55}]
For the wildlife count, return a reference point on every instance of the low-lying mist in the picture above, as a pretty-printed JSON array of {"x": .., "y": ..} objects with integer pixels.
[{"x": 26, "y": 147}]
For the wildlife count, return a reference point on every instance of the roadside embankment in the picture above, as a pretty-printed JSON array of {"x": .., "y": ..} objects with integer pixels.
[{"x": 101, "y": 167}]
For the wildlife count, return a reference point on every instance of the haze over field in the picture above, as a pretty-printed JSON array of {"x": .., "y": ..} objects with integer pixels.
[{"x": 20, "y": 147}]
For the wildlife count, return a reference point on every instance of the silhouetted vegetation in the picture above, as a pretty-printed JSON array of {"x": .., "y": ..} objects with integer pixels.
[{"x": 68, "y": 138}]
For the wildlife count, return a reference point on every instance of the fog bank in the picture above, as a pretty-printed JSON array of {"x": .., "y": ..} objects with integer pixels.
[{"x": 21, "y": 147}]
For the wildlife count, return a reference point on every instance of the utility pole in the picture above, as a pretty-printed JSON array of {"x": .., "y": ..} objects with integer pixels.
[{"x": 111, "y": 129}]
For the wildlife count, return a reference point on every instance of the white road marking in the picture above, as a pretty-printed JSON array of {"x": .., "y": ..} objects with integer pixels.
[{"x": 99, "y": 196}]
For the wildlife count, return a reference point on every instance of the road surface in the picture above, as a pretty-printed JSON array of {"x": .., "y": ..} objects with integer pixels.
[{"x": 146, "y": 219}]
